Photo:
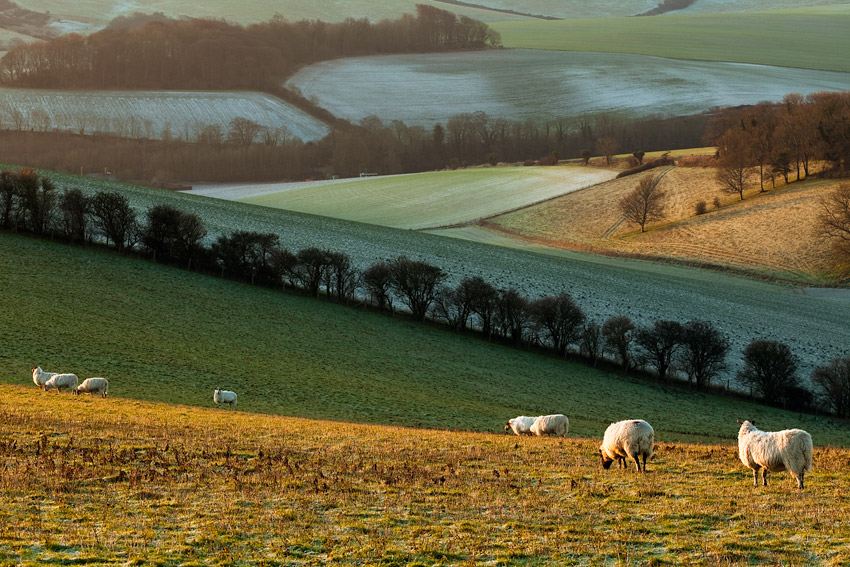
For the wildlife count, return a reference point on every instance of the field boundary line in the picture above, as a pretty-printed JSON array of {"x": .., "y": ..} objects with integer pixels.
[{"x": 484, "y": 218}]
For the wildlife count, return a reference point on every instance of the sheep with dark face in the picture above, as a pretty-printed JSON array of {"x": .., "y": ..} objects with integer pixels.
[
  {"x": 520, "y": 425},
  {"x": 630, "y": 439},
  {"x": 775, "y": 451}
]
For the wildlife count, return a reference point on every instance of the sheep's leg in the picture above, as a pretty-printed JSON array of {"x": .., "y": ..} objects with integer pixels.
[
  {"x": 636, "y": 459},
  {"x": 644, "y": 462},
  {"x": 755, "y": 477},
  {"x": 800, "y": 480},
  {"x": 764, "y": 476}
]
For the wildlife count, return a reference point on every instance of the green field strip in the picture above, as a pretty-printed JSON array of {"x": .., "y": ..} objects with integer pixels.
[{"x": 805, "y": 39}]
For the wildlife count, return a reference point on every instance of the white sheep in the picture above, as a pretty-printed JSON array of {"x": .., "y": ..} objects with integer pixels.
[
  {"x": 59, "y": 381},
  {"x": 556, "y": 424},
  {"x": 520, "y": 425},
  {"x": 91, "y": 386},
  {"x": 632, "y": 439},
  {"x": 775, "y": 451},
  {"x": 40, "y": 377},
  {"x": 224, "y": 397}
]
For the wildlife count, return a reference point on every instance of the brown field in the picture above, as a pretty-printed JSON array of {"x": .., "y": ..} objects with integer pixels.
[
  {"x": 770, "y": 234},
  {"x": 116, "y": 481}
]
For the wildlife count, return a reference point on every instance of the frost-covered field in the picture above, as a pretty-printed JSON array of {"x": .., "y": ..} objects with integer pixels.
[
  {"x": 815, "y": 325},
  {"x": 150, "y": 114},
  {"x": 530, "y": 84},
  {"x": 423, "y": 200}
]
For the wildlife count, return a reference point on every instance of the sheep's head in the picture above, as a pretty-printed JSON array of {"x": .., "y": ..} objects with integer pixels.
[
  {"x": 507, "y": 427},
  {"x": 606, "y": 462}
]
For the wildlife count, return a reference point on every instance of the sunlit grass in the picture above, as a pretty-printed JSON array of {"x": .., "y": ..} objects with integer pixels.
[{"x": 106, "y": 481}]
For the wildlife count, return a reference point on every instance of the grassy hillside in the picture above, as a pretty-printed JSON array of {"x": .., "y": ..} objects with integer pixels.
[
  {"x": 807, "y": 39},
  {"x": 814, "y": 325},
  {"x": 162, "y": 334},
  {"x": 770, "y": 233},
  {"x": 434, "y": 199},
  {"x": 114, "y": 481}
]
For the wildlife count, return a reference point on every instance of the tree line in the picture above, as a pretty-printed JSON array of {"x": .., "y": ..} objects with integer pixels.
[
  {"x": 246, "y": 150},
  {"x": 779, "y": 140},
  {"x": 214, "y": 54},
  {"x": 31, "y": 203}
]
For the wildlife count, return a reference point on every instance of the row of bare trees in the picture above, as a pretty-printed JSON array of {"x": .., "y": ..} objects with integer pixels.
[
  {"x": 247, "y": 150},
  {"x": 213, "y": 54},
  {"x": 554, "y": 323},
  {"x": 771, "y": 140}
]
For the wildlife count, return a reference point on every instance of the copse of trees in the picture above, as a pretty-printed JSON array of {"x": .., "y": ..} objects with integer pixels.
[
  {"x": 776, "y": 139},
  {"x": 552, "y": 323},
  {"x": 213, "y": 54}
]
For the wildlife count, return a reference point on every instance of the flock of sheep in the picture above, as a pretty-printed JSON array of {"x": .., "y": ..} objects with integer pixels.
[
  {"x": 56, "y": 381},
  {"x": 762, "y": 451}
]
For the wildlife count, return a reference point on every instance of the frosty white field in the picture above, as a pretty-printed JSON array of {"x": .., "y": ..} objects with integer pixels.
[{"x": 149, "y": 114}]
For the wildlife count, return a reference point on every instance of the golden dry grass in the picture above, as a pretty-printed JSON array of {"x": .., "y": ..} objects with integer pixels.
[
  {"x": 105, "y": 481},
  {"x": 771, "y": 233}
]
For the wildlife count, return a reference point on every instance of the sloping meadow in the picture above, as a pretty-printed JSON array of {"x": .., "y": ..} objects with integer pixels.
[
  {"x": 813, "y": 325},
  {"x": 113, "y": 481}
]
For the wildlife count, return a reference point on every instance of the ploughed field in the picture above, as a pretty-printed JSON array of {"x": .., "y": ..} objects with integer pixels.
[
  {"x": 520, "y": 84},
  {"x": 151, "y": 114},
  {"x": 116, "y": 481}
]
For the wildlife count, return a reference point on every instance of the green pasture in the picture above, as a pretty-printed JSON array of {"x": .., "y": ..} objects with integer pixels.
[
  {"x": 163, "y": 334},
  {"x": 435, "y": 199},
  {"x": 808, "y": 38}
]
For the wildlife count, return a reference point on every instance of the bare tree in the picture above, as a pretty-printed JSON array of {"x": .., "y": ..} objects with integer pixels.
[
  {"x": 703, "y": 352},
  {"x": 834, "y": 219},
  {"x": 660, "y": 342},
  {"x": 644, "y": 204},
  {"x": 560, "y": 318},
  {"x": 377, "y": 279},
  {"x": 243, "y": 131},
  {"x": 617, "y": 335},
  {"x": 833, "y": 380},
  {"x": 770, "y": 368},
  {"x": 734, "y": 164},
  {"x": 607, "y": 147},
  {"x": 416, "y": 283}
]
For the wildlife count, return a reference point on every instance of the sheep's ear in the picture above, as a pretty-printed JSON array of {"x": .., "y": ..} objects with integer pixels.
[{"x": 739, "y": 422}]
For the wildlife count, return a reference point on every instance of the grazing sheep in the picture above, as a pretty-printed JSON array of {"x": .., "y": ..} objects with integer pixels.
[
  {"x": 59, "y": 381},
  {"x": 632, "y": 439},
  {"x": 224, "y": 397},
  {"x": 520, "y": 425},
  {"x": 40, "y": 377},
  {"x": 93, "y": 385},
  {"x": 556, "y": 424},
  {"x": 775, "y": 451}
]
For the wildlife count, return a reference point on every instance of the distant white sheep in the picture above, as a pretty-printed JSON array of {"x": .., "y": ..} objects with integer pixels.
[
  {"x": 520, "y": 425},
  {"x": 59, "y": 381},
  {"x": 630, "y": 439},
  {"x": 775, "y": 451},
  {"x": 91, "y": 386},
  {"x": 224, "y": 397},
  {"x": 40, "y": 377},
  {"x": 556, "y": 424}
]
